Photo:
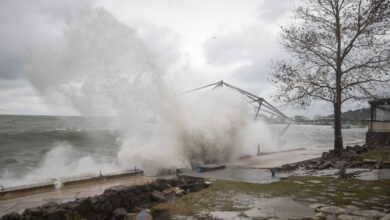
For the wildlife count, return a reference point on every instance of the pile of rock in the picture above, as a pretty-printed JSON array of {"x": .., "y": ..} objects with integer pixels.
[
  {"x": 349, "y": 158},
  {"x": 118, "y": 202}
]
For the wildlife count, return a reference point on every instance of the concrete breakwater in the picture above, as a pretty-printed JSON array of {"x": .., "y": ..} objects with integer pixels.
[{"x": 13, "y": 192}]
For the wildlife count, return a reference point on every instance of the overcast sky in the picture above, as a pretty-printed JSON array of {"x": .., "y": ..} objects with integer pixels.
[{"x": 206, "y": 40}]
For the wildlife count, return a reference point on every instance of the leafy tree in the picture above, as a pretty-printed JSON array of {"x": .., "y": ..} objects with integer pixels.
[{"x": 340, "y": 51}]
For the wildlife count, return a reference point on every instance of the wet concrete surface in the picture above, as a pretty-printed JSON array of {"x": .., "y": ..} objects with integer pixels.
[
  {"x": 256, "y": 169},
  {"x": 19, "y": 204},
  {"x": 239, "y": 174},
  {"x": 265, "y": 176},
  {"x": 276, "y": 159}
]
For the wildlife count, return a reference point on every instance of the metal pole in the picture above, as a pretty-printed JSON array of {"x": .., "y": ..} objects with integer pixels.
[{"x": 258, "y": 109}]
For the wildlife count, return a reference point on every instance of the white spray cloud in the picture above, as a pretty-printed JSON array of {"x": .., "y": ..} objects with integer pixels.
[
  {"x": 209, "y": 128},
  {"x": 101, "y": 66}
]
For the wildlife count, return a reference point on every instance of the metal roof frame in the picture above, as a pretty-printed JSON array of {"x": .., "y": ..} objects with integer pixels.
[{"x": 261, "y": 103}]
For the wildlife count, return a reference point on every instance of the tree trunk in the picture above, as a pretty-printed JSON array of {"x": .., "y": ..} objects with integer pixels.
[{"x": 338, "y": 138}]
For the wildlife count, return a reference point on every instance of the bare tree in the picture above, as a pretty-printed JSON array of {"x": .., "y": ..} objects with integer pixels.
[{"x": 340, "y": 52}]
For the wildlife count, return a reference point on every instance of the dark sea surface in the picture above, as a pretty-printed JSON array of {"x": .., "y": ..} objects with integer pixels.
[{"x": 28, "y": 143}]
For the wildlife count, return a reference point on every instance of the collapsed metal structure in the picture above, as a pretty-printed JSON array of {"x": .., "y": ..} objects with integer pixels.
[{"x": 260, "y": 103}]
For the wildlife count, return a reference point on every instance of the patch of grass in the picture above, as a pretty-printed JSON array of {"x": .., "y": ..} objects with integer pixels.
[
  {"x": 225, "y": 195},
  {"x": 72, "y": 216},
  {"x": 382, "y": 153}
]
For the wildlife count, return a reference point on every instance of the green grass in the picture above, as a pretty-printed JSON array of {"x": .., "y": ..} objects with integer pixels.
[{"x": 382, "y": 153}]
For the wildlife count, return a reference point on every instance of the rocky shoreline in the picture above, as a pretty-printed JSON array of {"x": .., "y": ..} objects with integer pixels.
[
  {"x": 116, "y": 203},
  {"x": 351, "y": 157}
]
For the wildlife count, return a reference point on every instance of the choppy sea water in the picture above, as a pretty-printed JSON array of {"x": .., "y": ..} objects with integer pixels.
[
  {"x": 318, "y": 136},
  {"x": 42, "y": 148},
  {"x": 39, "y": 148}
]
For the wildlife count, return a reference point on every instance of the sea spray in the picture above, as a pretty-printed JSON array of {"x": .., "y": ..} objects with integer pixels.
[
  {"x": 101, "y": 67},
  {"x": 211, "y": 128}
]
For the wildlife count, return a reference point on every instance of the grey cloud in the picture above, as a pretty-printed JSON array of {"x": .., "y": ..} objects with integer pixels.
[
  {"x": 10, "y": 66},
  {"x": 254, "y": 72},
  {"x": 16, "y": 97},
  {"x": 228, "y": 48},
  {"x": 273, "y": 11},
  {"x": 25, "y": 24},
  {"x": 251, "y": 43},
  {"x": 254, "y": 78},
  {"x": 19, "y": 97},
  {"x": 7, "y": 84},
  {"x": 252, "y": 49},
  {"x": 254, "y": 46},
  {"x": 163, "y": 42}
]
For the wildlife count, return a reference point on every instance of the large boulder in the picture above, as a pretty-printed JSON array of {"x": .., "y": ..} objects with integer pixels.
[
  {"x": 11, "y": 216},
  {"x": 157, "y": 196}
]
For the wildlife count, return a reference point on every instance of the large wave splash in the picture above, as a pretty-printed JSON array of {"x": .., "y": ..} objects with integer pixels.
[
  {"x": 211, "y": 128},
  {"x": 102, "y": 67}
]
